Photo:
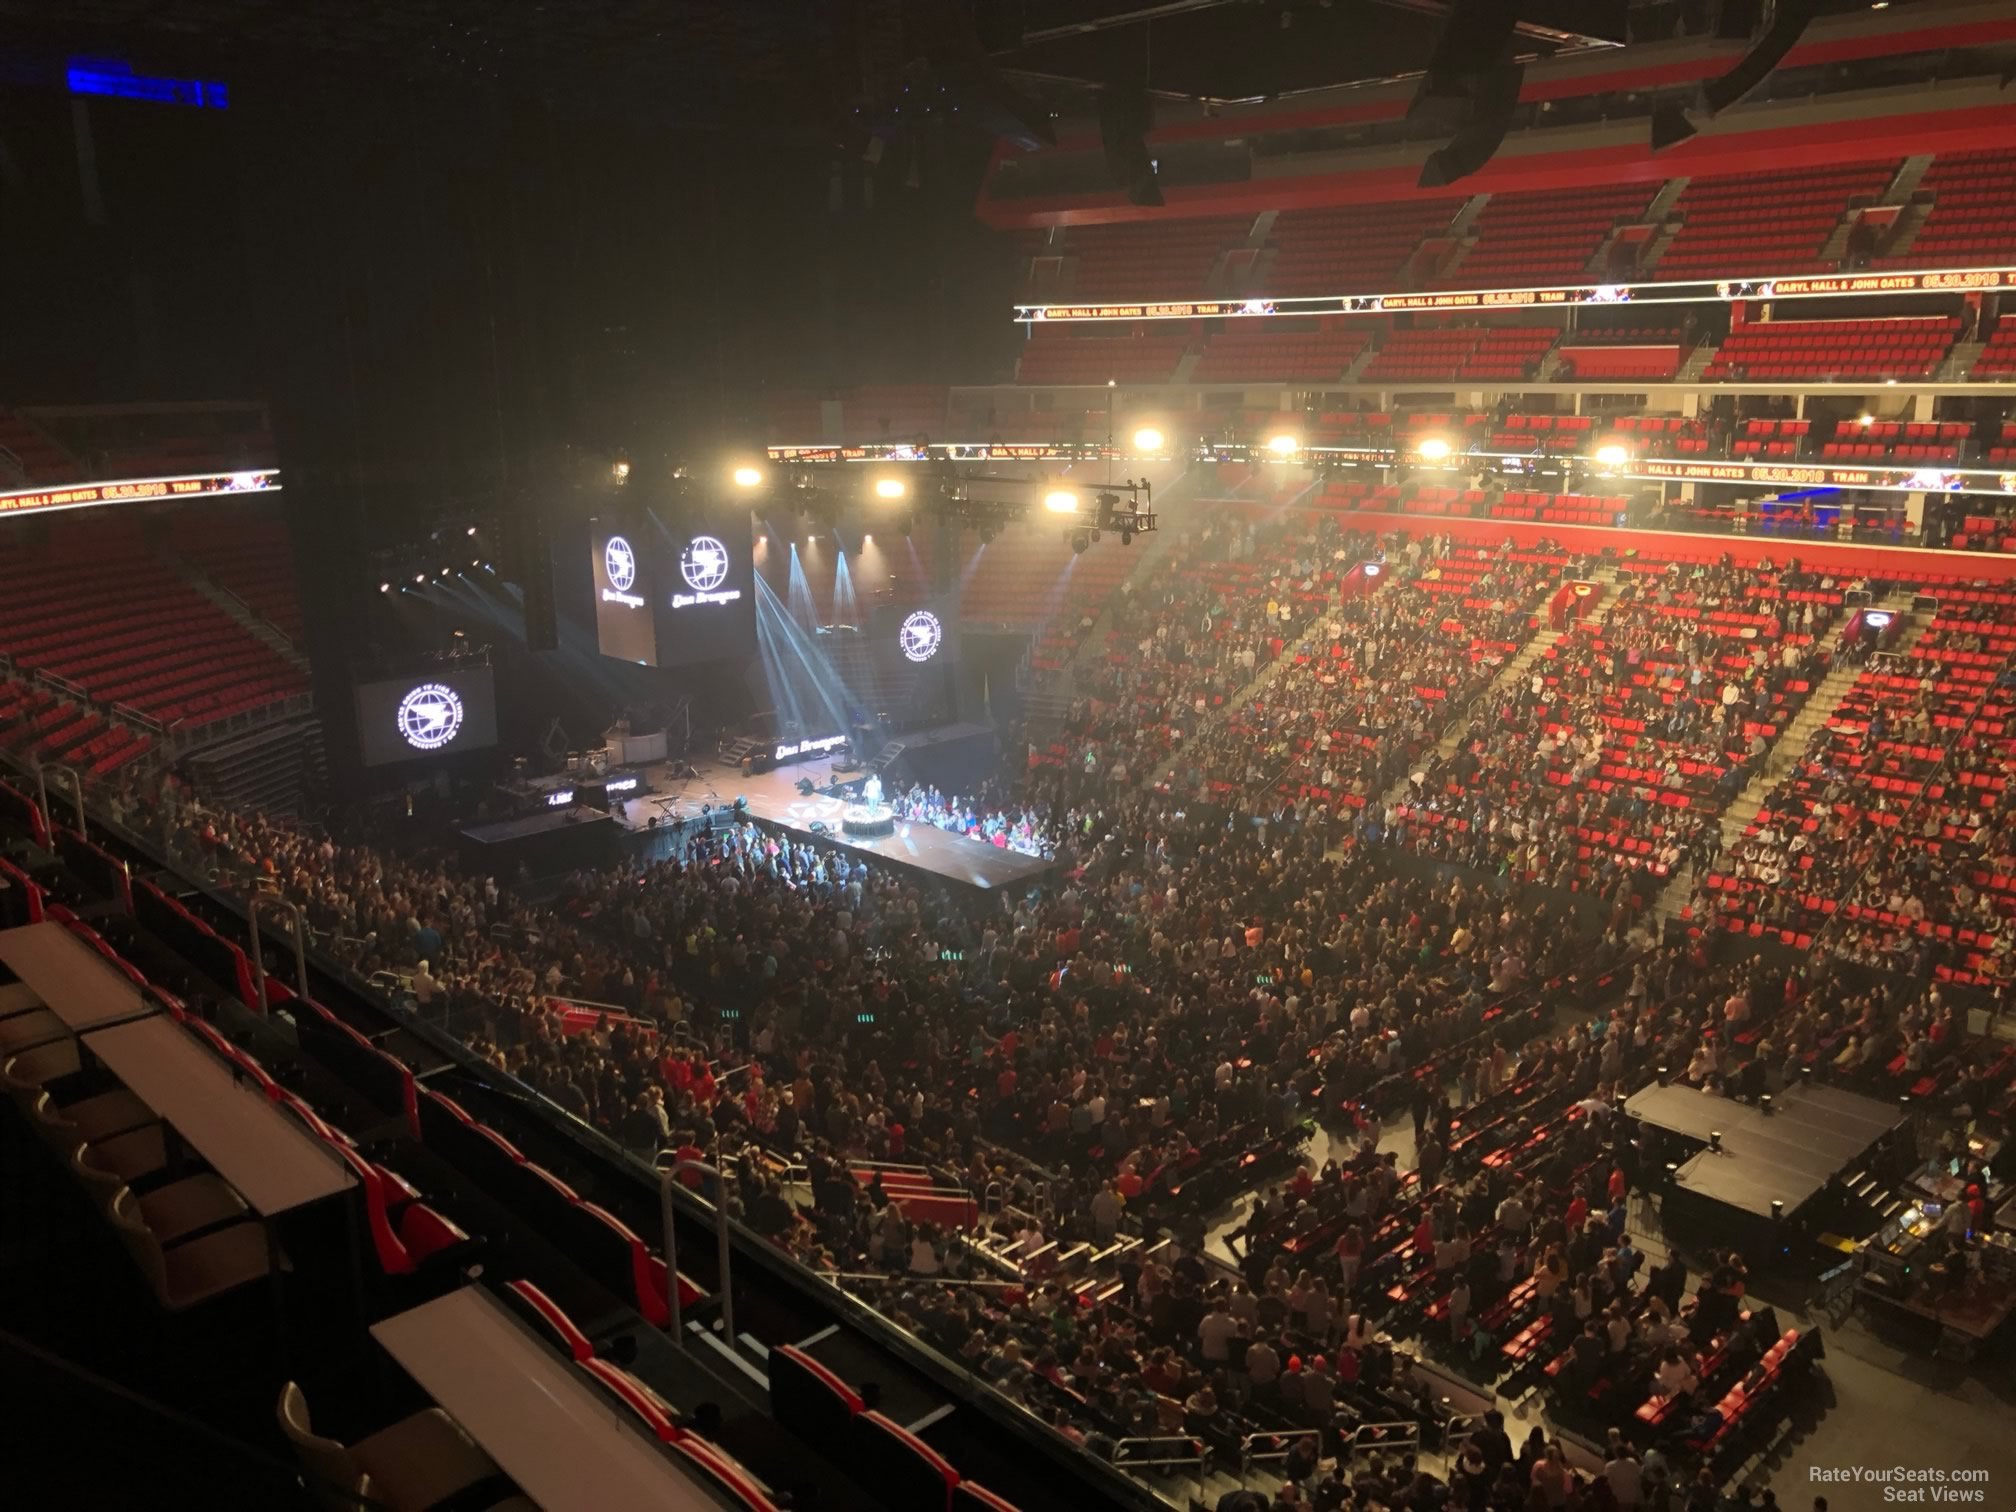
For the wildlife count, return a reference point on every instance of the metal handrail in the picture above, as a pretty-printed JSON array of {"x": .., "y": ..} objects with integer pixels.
[
  {"x": 668, "y": 1176},
  {"x": 257, "y": 903},
  {"x": 42, "y": 772},
  {"x": 1249, "y": 1457},
  {"x": 1197, "y": 1459},
  {"x": 1387, "y": 1436}
]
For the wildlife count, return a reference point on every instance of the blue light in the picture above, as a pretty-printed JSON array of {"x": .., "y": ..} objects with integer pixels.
[{"x": 116, "y": 80}]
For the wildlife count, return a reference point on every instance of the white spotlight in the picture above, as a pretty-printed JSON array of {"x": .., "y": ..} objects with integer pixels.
[
  {"x": 1061, "y": 501},
  {"x": 890, "y": 488},
  {"x": 1283, "y": 445}
]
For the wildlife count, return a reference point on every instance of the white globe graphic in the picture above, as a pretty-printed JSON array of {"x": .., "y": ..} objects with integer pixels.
[
  {"x": 430, "y": 716},
  {"x": 704, "y": 564},
  {"x": 620, "y": 562},
  {"x": 921, "y": 636}
]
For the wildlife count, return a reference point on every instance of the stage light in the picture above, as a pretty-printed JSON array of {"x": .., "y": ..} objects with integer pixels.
[
  {"x": 1079, "y": 542},
  {"x": 472, "y": 530},
  {"x": 1147, "y": 439},
  {"x": 1865, "y": 418},
  {"x": 475, "y": 561},
  {"x": 747, "y": 477},
  {"x": 1061, "y": 501},
  {"x": 621, "y": 470},
  {"x": 890, "y": 488},
  {"x": 1613, "y": 454},
  {"x": 419, "y": 577},
  {"x": 1432, "y": 449},
  {"x": 384, "y": 587},
  {"x": 1283, "y": 445}
]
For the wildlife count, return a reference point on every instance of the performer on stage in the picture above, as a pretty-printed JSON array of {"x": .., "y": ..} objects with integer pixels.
[{"x": 871, "y": 794}]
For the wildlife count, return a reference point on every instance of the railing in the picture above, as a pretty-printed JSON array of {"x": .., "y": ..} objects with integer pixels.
[
  {"x": 1385, "y": 1438},
  {"x": 1250, "y": 1456},
  {"x": 1170, "y": 1454}
]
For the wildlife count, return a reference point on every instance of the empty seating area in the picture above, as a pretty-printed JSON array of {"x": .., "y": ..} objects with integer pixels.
[
  {"x": 38, "y": 722},
  {"x": 1773, "y": 222},
  {"x": 1618, "y": 362},
  {"x": 894, "y": 412},
  {"x": 1904, "y": 348},
  {"x": 1107, "y": 355},
  {"x": 243, "y": 549},
  {"x": 1145, "y": 260},
  {"x": 1770, "y": 439},
  {"x": 1351, "y": 249},
  {"x": 1025, "y": 575},
  {"x": 1541, "y": 239},
  {"x": 1998, "y": 355},
  {"x": 1973, "y": 217},
  {"x": 94, "y": 609},
  {"x": 1451, "y": 354},
  {"x": 1896, "y": 441},
  {"x": 1545, "y": 434},
  {"x": 1255, "y": 351},
  {"x": 41, "y": 457},
  {"x": 1559, "y": 509}
]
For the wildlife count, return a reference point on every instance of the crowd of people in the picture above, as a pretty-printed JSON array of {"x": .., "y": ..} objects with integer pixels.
[
  {"x": 1194, "y": 989},
  {"x": 1628, "y": 738}
]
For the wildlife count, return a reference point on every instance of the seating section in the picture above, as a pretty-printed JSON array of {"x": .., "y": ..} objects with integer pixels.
[
  {"x": 1255, "y": 351},
  {"x": 1896, "y": 441},
  {"x": 1101, "y": 355},
  {"x": 1539, "y": 239},
  {"x": 1773, "y": 222},
  {"x": 42, "y": 458},
  {"x": 1351, "y": 249},
  {"x": 1451, "y": 354},
  {"x": 1973, "y": 217},
  {"x": 1028, "y": 573},
  {"x": 893, "y": 412},
  {"x": 1998, "y": 356},
  {"x": 1903, "y": 348},
  {"x": 243, "y": 549},
  {"x": 1144, "y": 260},
  {"x": 1619, "y": 361},
  {"x": 36, "y": 720},
  {"x": 1646, "y": 722},
  {"x": 94, "y": 608}
]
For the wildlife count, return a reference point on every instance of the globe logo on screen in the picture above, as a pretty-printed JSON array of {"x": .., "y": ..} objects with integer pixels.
[
  {"x": 430, "y": 716},
  {"x": 921, "y": 636},
  {"x": 620, "y": 562},
  {"x": 704, "y": 564}
]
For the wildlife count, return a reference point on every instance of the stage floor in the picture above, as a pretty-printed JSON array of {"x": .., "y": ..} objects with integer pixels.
[
  {"x": 1811, "y": 1135},
  {"x": 774, "y": 799}
]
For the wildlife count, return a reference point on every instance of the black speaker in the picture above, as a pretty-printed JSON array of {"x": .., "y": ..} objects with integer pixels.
[
  {"x": 530, "y": 565},
  {"x": 1494, "y": 94},
  {"x": 1125, "y": 117}
]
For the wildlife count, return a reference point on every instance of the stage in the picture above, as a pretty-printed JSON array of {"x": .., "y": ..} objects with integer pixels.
[
  {"x": 1811, "y": 1136},
  {"x": 774, "y": 800}
]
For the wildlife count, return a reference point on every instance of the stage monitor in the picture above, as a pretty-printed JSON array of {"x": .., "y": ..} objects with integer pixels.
[
  {"x": 706, "y": 592},
  {"x": 625, "y": 625},
  {"x": 430, "y": 714}
]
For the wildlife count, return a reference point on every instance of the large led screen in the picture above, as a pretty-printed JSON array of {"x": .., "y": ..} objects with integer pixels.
[{"x": 431, "y": 714}]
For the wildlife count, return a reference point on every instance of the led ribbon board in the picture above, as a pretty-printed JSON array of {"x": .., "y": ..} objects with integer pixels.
[
  {"x": 137, "y": 491},
  {"x": 1677, "y": 291}
]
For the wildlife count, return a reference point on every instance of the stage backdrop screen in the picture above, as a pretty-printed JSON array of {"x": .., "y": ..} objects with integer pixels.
[
  {"x": 431, "y": 714},
  {"x": 706, "y": 591},
  {"x": 624, "y": 620}
]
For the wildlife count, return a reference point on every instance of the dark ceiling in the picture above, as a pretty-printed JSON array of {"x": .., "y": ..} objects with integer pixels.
[{"x": 792, "y": 66}]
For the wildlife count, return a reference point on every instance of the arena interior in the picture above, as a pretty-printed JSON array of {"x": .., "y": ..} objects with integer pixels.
[{"x": 1008, "y": 754}]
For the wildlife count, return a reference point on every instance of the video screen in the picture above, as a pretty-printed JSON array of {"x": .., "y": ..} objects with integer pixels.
[
  {"x": 706, "y": 595},
  {"x": 625, "y": 624},
  {"x": 431, "y": 714}
]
